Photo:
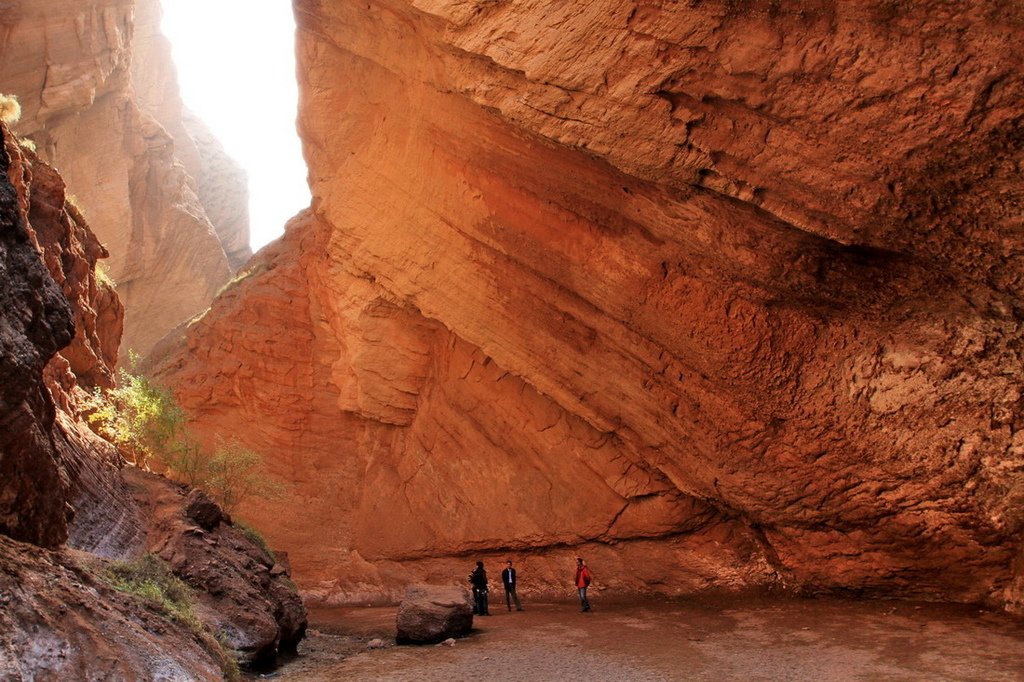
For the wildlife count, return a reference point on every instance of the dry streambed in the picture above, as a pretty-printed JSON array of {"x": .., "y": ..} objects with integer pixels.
[{"x": 816, "y": 640}]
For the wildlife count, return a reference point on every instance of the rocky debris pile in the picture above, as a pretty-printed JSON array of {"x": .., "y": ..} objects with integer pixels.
[
  {"x": 243, "y": 592},
  {"x": 430, "y": 614}
]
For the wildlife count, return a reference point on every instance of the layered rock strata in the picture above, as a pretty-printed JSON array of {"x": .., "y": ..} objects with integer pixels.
[
  {"x": 718, "y": 294},
  {"x": 71, "y": 66},
  {"x": 220, "y": 183},
  {"x": 36, "y": 321},
  {"x": 61, "y": 617}
]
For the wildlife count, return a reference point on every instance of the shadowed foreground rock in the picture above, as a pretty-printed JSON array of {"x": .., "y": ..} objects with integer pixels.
[
  {"x": 241, "y": 591},
  {"x": 60, "y": 617},
  {"x": 59, "y": 622},
  {"x": 432, "y": 613}
]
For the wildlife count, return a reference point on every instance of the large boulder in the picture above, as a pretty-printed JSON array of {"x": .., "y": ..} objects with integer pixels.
[
  {"x": 204, "y": 511},
  {"x": 432, "y": 613}
]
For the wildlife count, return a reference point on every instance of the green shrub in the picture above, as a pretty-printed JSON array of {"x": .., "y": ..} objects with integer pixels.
[
  {"x": 143, "y": 421},
  {"x": 137, "y": 416},
  {"x": 71, "y": 202},
  {"x": 241, "y": 276},
  {"x": 254, "y": 536},
  {"x": 10, "y": 109},
  {"x": 151, "y": 579},
  {"x": 235, "y": 473}
]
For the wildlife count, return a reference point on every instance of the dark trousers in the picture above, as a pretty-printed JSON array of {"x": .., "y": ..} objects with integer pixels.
[
  {"x": 511, "y": 596},
  {"x": 480, "y": 602}
]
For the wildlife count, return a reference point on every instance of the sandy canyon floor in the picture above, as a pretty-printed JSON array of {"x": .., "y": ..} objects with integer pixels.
[{"x": 820, "y": 640}]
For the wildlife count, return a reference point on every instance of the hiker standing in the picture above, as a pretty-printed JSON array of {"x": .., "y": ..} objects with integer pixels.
[
  {"x": 582, "y": 582},
  {"x": 508, "y": 579},
  {"x": 479, "y": 580}
]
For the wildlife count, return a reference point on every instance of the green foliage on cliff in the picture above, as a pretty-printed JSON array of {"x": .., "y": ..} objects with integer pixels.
[
  {"x": 142, "y": 419},
  {"x": 137, "y": 416},
  {"x": 254, "y": 536},
  {"x": 235, "y": 473},
  {"x": 241, "y": 276},
  {"x": 103, "y": 275},
  {"x": 151, "y": 579}
]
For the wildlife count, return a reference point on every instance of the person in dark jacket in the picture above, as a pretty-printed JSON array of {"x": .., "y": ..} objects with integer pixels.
[
  {"x": 582, "y": 582},
  {"x": 508, "y": 579},
  {"x": 479, "y": 580}
]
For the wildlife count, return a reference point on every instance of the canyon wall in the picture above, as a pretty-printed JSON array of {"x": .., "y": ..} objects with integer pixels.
[
  {"x": 716, "y": 294},
  {"x": 100, "y": 102},
  {"x": 60, "y": 325}
]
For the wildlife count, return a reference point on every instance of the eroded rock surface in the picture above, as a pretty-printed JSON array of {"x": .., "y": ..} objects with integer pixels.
[
  {"x": 255, "y": 609},
  {"x": 35, "y": 321},
  {"x": 59, "y": 333},
  {"x": 71, "y": 64},
  {"x": 717, "y": 296},
  {"x": 60, "y": 622}
]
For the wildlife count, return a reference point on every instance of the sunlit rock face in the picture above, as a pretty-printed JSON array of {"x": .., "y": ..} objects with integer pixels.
[
  {"x": 220, "y": 183},
  {"x": 70, "y": 63},
  {"x": 713, "y": 295}
]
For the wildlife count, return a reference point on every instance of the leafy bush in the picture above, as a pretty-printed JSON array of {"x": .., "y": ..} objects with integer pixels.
[
  {"x": 137, "y": 416},
  {"x": 10, "y": 109},
  {"x": 142, "y": 419},
  {"x": 234, "y": 473}
]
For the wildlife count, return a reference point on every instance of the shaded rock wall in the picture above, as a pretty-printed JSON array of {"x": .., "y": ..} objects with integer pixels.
[
  {"x": 242, "y": 592},
  {"x": 59, "y": 332},
  {"x": 71, "y": 66},
  {"x": 36, "y": 321},
  {"x": 717, "y": 294},
  {"x": 103, "y": 516}
]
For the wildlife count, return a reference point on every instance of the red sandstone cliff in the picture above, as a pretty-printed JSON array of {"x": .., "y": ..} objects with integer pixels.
[
  {"x": 116, "y": 134},
  {"x": 717, "y": 294},
  {"x": 61, "y": 617}
]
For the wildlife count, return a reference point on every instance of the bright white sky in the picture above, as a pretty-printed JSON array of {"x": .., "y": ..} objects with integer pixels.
[{"x": 236, "y": 68}]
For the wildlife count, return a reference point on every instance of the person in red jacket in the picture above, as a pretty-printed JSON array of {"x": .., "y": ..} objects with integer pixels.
[{"x": 582, "y": 582}]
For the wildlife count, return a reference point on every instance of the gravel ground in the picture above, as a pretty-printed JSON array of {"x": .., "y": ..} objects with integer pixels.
[{"x": 751, "y": 640}]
